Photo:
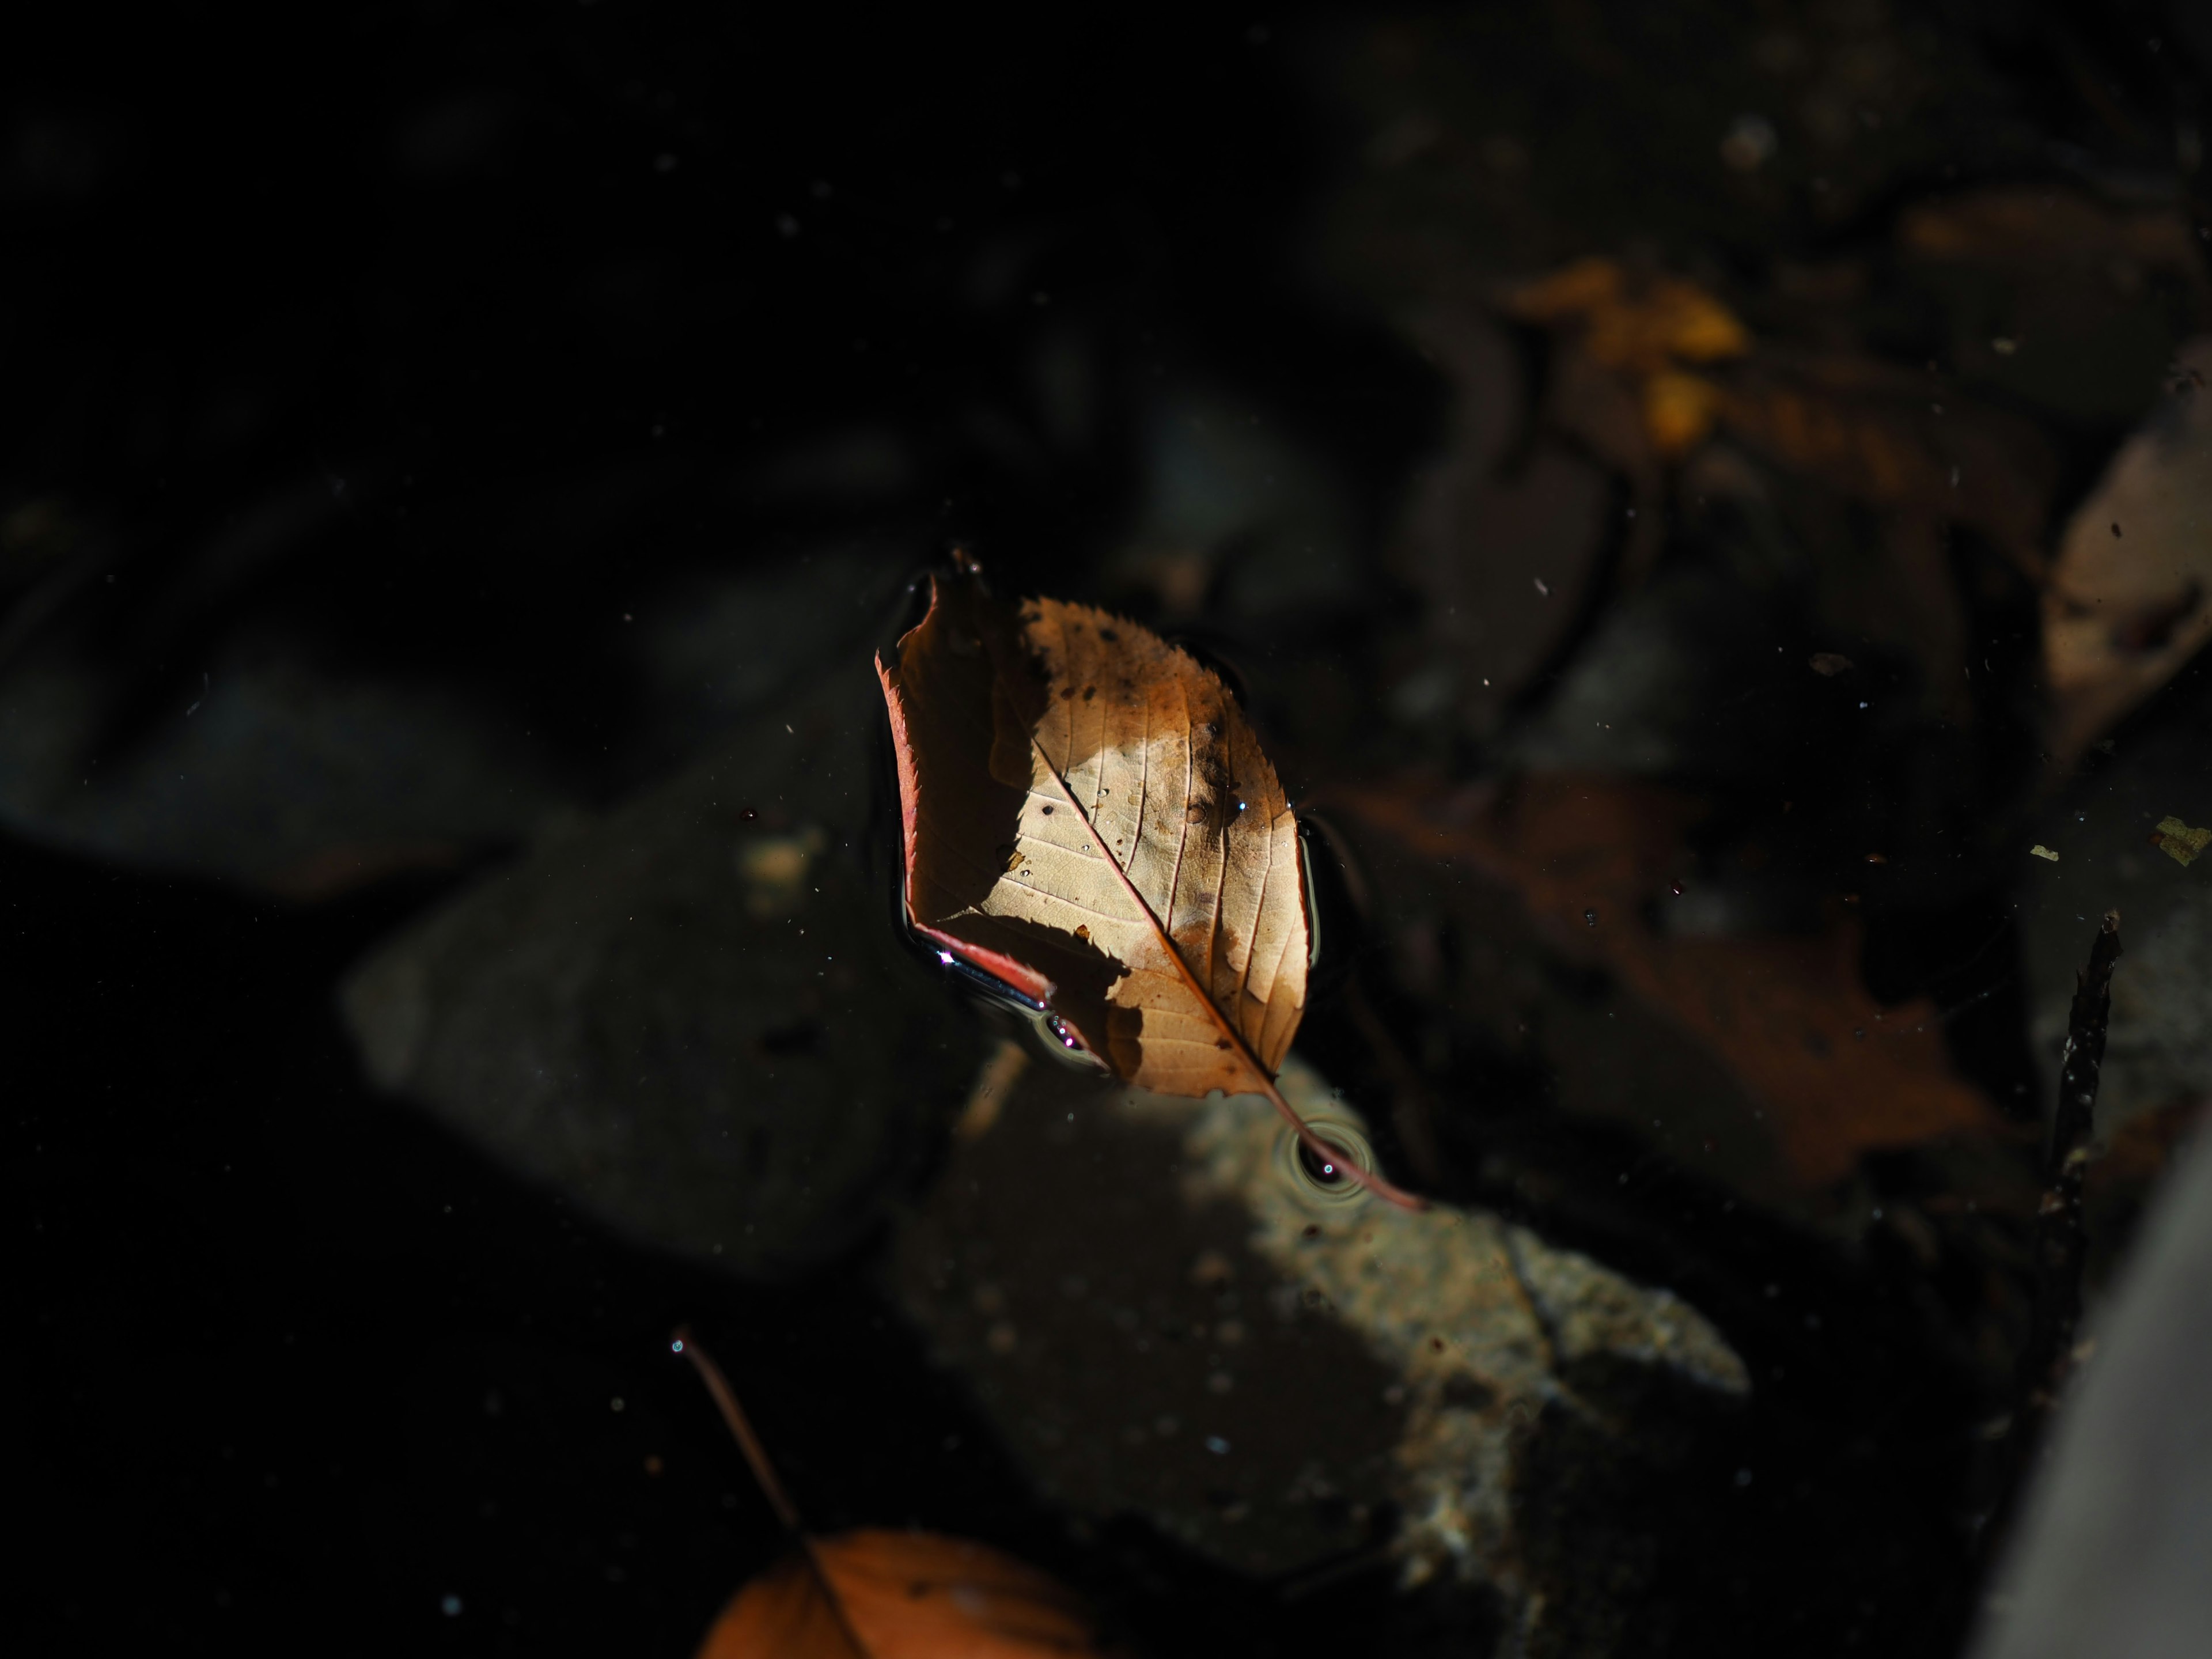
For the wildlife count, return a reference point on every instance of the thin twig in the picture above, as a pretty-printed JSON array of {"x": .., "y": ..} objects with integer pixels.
[
  {"x": 741, "y": 1430},
  {"x": 2062, "y": 1241}
]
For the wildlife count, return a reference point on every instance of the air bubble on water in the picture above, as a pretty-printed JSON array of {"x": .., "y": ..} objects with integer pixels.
[
  {"x": 1217, "y": 1445},
  {"x": 677, "y": 1346},
  {"x": 1590, "y": 916},
  {"x": 1322, "y": 1168},
  {"x": 451, "y": 1607}
]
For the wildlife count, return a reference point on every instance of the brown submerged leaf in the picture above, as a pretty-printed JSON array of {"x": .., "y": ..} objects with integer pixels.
[
  {"x": 1089, "y": 818},
  {"x": 873, "y": 1594},
  {"x": 1776, "y": 1068},
  {"x": 901, "y": 1596}
]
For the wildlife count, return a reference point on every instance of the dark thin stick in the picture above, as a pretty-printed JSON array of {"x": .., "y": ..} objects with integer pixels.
[
  {"x": 2062, "y": 1243},
  {"x": 741, "y": 1430}
]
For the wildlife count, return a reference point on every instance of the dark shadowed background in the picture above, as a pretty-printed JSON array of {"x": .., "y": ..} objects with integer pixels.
[{"x": 428, "y": 430}]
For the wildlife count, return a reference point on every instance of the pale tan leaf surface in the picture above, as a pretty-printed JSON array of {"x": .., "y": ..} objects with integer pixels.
[
  {"x": 904, "y": 1596},
  {"x": 1088, "y": 816},
  {"x": 2128, "y": 606},
  {"x": 1168, "y": 779}
]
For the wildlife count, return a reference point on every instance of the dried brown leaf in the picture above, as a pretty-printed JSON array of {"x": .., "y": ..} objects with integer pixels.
[{"x": 1087, "y": 818}]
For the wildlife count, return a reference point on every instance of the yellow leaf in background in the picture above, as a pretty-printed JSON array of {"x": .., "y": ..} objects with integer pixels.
[
  {"x": 2039, "y": 851},
  {"x": 1679, "y": 411},
  {"x": 1635, "y": 326},
  {"x": 1572, "y": 291},
  {"x": 2178, "y": 842}
]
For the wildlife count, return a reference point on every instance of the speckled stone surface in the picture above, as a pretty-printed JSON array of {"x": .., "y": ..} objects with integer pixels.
[
  {"x": 657, "y": 1014},
  {"x": 1164, "y": 1318}
]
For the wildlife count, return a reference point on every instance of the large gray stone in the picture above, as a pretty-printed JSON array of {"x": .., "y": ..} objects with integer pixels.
[
  {"x": 2114, "y": 1556},
  {"x": 1163, "y": 1318},
  {"x": 691, "y": 1016}
]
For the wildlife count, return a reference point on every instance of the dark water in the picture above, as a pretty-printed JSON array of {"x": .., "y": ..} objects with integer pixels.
[{"x": 456, "y": 465}]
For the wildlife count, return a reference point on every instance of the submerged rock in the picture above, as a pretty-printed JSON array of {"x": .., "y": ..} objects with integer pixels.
[
  {"x": 1165, "y": 1315},
  {"x": 306, "y": 771},
  {"x": 277, "y": 772},
  {"x": 690, "y": 1016}
]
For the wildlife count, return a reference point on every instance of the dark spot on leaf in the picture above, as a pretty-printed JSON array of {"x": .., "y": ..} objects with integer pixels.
[
  {"x": 1312, "y": 1230},
  {"x": 1089, "y": 692},
  {"x": 1048, "y": 811},
  {"x": 1108, "y": 635},
  {"x": 1221, "y": 1042}
]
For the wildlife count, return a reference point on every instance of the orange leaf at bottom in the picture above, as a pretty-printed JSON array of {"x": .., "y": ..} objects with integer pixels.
[{"x": 906, "y": 1595}]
